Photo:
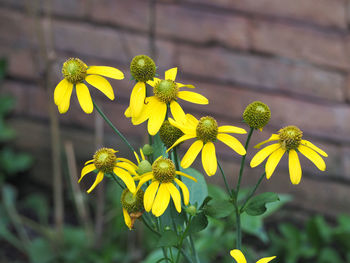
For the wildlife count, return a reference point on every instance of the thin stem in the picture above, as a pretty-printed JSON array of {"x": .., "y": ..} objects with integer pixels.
[
  {"x": 253, "y": 192},
  {"x": 243, "y": 161},
  {"x": 182, "y": 239},
  {"x": 115, "y": 179},
  {"x": 113, "y": 127},
  {"x": 238, "y": 229},
  {"x": 225, "y": 180},
  {"x": 149, "y": 227}
]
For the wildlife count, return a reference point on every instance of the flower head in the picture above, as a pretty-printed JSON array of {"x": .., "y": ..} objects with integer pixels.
[
  {"x": 289, "y": 139},
  {"x": 158, "y": 193},
  {"x": 165, "y": 92},
  {"x": 206, "y": 132},
  {"x": 240, "y": 258},
  {"x": 132, "y": 204},
  {"x": 257, "y": 115},
  {"x": 169, "y": 134},
  {"x": 75, "y": 72},
  {"x": 106, "y": 162}
]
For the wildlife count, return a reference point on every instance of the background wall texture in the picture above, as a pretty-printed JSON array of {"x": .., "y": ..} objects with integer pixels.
[{"x": 292, "y": 55}]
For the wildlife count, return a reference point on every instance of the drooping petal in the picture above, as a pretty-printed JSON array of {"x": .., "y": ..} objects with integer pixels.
[
  {"x": 314, "y": 147},
  {"x": 126, "y": 178},
  {"x": 101, "y": 84},
  {"x": 272, "y": 162},
  {"x": 180, "y": 85},
  {"x": 209, "y": 158},
  {"x": 84, "y": 98},
  {"x": 170, "y": 74},
  {"x": 231, "y": 129},
  {"x": 232, "y": 142},
  {"x": 274, "y": 137},
  {"x": 294, "y": 167},
  {"x": 186, "y": 175},
  {"x": 266, "y": 260},
  {"x": 161, "y": 201},
  {"x": 98, "y": 180},
  {"x": 175, "y": 195},
  {"x": 177, "y": 111},
  {"x": 153, "y": 82},
  {"x": 144, "y": 178},
  {"x": 137, "y": 157},
  {"x": 127, "y": 161},
  {"x": 149, "y": 196},
  {"x": 127, "y": 166},
  {"x": 137, "y": 98},
  {"x": 88, "y": 162},
  {"x": 181, "y": 139},
  {"x": 60, "y": 90},
  {"x": 191, "y": 120},
  {"x": 127, "y": 218},
  {"x": 65, "y": 101},
  {"x": 313, "y": 157},
  {"x": 157, "y": 117},
  {"x": 185, "y": 192},
  {"x": 191, "y": 154},
  {"x": 144, "y": 114},
  {"x": 263, "y": 154},
  {"x": 238, "y": 256},
  {"x": 192, "y": 97},
  {"x": 87, "y": 169},
  {"x": 185, "y": 126},
  {"x": 109, "y": 72}
]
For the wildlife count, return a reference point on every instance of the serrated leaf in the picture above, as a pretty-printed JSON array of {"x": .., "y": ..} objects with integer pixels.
[
  {"x": 167, "y": 239},
  {"x": 257, "y": 204}
]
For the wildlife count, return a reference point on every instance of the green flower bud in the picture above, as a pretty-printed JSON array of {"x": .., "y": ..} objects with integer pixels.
[
  {"x": 147, "y": 149},
  {"x": 257, "y": 115},
  {"x": 191, "y": 210},
  {"x": 144, "y": 167},
  {"x": 143, "y": 68},
  {"x": 169, "y": 134}
]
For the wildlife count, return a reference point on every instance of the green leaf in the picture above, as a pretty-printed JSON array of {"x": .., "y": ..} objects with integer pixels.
[
  {"x": 329, "y": 255},
  {"x": 40, "y": 251},
  {"x": 318, "y": 231},
  {"x": 158, "y": 147},
  {"x": 218, "y": 208},
  {"x": 168, "y": 239},
  {"x": 197, "y": 224},
  {"x": 12, "y": 162},
  {"x": 254, "y": 225},
  {"x": 257, "y": 204},
  {"x": 198, "y": 190}
]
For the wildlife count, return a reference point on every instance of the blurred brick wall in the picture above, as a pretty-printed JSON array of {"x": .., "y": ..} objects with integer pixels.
[{"x": 292, "y": 55}]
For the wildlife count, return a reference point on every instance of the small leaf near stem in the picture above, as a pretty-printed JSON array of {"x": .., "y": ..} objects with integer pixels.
[{"x": 253, "y": 191}]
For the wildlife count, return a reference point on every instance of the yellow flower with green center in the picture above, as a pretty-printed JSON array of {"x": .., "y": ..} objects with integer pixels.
[
  {"x": 75, "y": 72},
  {"x": 206, "y": 131},
  {"x": 289, "y": 139},
  {"x": 240, "y": 258},
  {"x": 165, "y": 92},
  {"x": 158, "y": 193},
  {"x": 132, "y": 204},
  {"x": 106, "y": 162}
]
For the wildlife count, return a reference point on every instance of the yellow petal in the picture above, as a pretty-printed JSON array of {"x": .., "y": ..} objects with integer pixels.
[
  {"x": 87, "y": 169},
  {"x": 294, "y": 167},
  {"x": 150, "y": 193},
  {"x": 127, "y": 161},
  {"x": 170, "y": 74},
  {"x": 145, "y": 113},
  {"x": 88, "y": 161},
  {"x": 175, "y": 195},
  {"x": 157, "y": 117},
  {"x": 186, "y": 175},
  {"x": 137, "y": 157},
  {"x": 126, "y": 178},
  {"x": 191, "y": 154},
  {"x": 191, "y": 120},
  {"x": 137, "y": 98},
  {"x": 161, "y": 201},
  {"x": 153, "y": 82},
  {"x": 184, "y": 126},
  {"x": 127, "y": 166},
  {"x": 238, "y": 256},
  {"x": 181, "y": 139},
  {"x": 180, "y": 85},
  {"x": 127, "y": 218},
  {"x": 142, "y": 155},
  {"x": 262, "y": 154},
  {"x": 231, "y": 129},
  {"x": 209, "y": 158},
  {"x": 272, "y": 162},
  {"x": 101, "y": 84},
  {"x": 274, "y": 137},
  {"x": 65, "y": 101},
  {"x": 60, "y": 90},
  {"x": 314, "y": 147},
  {"x": 185, "y": 192},
  {"x": 232, "y": 142},
  {"x": 177, "y": 111},
  {"x": 127, "y": 112},
  {"x": 109, "y": 72},
  {"x": 313, "y": 157},
  {"x": 266, "y": 260},
  {"x": 145, "y": 177},
  {"x": 192, "y": 97},
  {"x": 84, "y": 98},
  {"x": 98, "y": 180}
]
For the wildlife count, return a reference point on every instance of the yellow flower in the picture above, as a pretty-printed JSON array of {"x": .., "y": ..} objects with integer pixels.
[
  {"x": 75, "y": 72},
  {"x": 206, "y": 132},
  {"x": 158, "y": 193},
  {"x": 240, "y": 258},
  {"x": 166, "y": 92},
  {"x": 106, "y": 162},
  {"x": 290, "y": 141}
]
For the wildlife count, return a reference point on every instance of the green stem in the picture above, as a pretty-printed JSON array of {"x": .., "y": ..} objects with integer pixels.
[
  {"x": 243, "y": 161},
  {"x": 225, "y": 180},
  {"x": 253, "y": 192},
  {"x": 238, "y": 229},
  {"x": 116, "y": 180},
  {"x": 149, "y": 227},
  {"x": 182, "y": 239},
  {"x": 113, "y": 127}
]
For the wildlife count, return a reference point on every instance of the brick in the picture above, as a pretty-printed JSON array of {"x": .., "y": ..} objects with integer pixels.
[
  {"x": 188, "y": 23},
  {"x": 297, "y": 42},
  {"x": 270, "y": 73},
  {"x": 322, "y": 12}
]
